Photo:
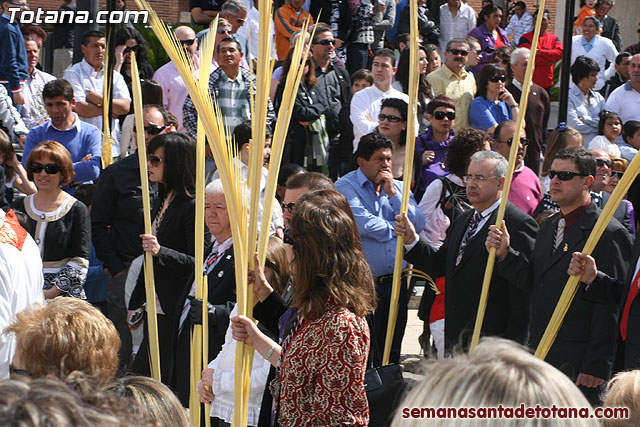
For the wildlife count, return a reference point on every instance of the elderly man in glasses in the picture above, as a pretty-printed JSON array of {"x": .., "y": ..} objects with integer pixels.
[
  {"x": 525, "y": 190},
  {"x": 116, "y": 217},
  {"x": 462, "y": 258},
  {"x": 584, "y": 348}
]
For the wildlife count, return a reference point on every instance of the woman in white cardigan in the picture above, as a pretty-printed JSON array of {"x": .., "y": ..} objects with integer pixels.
[{"x": 599, "y": 48}]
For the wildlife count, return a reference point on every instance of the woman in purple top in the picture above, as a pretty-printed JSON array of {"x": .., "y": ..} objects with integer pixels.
[
  {"x": 489, "y": 34},
  {"x": 432, "y": 146}
]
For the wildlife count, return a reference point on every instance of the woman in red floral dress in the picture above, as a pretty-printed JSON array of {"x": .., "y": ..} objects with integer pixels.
[{"x": 321, "y": 363}]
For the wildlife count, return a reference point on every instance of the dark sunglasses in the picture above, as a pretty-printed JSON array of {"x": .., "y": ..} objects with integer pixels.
[
  {"x": 439, "y": 115},
  {"x": 565, "y": 175},
  {"x": 523, "y": 141},
  {"x": 390, "y": 117},
  {"x": 478, "y": 51},
  {"x": 287, "y": 237},
  {"x": 154, "y": 160},
  {"x": 240, "y": 20},
  {"x": 15, "y": 371},
  {"x": 152, "y": 130},
  {"x": 187, "y": 42},
  {"x": 600, "y": 163},
  {"x": 131, "y": 48},
  {"x": 288, "y": 207},
  {"x": 496, "y": 79},
  {"x": 49, "y": 168},
  {"x": 326, "y": 42},
  {"x": 459, "y": 52},
  {"x": 225, "y": 32},
  {"x": 617, "y": 174}
]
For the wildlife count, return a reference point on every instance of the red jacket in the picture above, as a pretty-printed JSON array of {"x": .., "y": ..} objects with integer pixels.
[{"x": 549, "y": 51}]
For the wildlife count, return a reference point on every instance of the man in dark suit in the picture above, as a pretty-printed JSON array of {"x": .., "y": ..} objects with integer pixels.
[
  {"x": 538, "y": 107},
  {"x": 462, "y": 258},
  {"x": 585, "y": 344},
  {"x": 220, "y": 270}
]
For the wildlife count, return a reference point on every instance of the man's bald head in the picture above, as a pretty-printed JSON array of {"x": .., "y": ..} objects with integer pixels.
[{"x": 187, "y": 38}]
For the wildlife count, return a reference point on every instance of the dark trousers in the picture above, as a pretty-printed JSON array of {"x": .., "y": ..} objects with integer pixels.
[
  {"x": 357, "y": 56},
  {"x": 381, "y": 317},
  {"x": 117, "y": 313},
  {"x": 141, "y": 364}
]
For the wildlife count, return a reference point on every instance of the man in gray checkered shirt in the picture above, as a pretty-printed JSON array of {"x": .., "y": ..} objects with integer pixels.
[{"x": 229, "y": 86}]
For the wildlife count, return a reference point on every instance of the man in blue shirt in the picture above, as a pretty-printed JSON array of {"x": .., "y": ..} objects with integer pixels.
[
  {"x": 82, "y": 140},
  {"x": 375, "y": 198}
]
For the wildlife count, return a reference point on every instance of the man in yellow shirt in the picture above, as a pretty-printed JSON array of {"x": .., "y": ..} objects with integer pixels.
[{"x": 454, "y": 81}]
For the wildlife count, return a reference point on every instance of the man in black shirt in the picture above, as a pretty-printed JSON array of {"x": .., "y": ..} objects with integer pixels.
[{"x": 117, "y": 222}]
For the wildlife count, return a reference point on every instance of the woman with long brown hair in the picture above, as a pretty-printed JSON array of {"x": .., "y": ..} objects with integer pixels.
[{"x": 321, "y": 363}]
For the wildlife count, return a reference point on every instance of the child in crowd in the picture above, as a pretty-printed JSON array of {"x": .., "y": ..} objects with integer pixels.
[
  {"x": 588, "y": 8},
  {"x": 609, "y": 128}
]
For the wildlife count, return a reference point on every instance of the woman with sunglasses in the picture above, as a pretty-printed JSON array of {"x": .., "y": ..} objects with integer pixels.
[
  {"x": 322, "y": 361},
  {"x": 425, "y": 92},
  {"x": 171, "y": 164},
  {"x": 130, "y": 40},
  {"x": 432, "y": 146},
  {"x": 493, "y": 103},
  {"x": 58, "y": 222},
  {"x": 618, "y": 167},
  {"x": 392, "y": 123}
]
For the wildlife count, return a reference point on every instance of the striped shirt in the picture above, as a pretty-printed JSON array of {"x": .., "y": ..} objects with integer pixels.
[{"x": 233, "y": 101}]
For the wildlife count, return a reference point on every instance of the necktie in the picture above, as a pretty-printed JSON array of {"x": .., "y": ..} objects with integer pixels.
[
  {"x": 559, "y": 233},
  {"x": 208, "y": 265},
  {"x": 624, "y": 320},
  {"x": 471, "y": 231}
]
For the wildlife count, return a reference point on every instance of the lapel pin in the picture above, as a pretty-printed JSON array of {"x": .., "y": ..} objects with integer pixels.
[{"x": 566, "y": 247}]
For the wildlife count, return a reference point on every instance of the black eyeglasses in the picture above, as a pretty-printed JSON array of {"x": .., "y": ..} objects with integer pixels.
[
  {"x": 287, "y": 237},
  {"x": 49, "y": 168},
  {"x": 326, "y": 42},
  {"x": 154, "y": 160},
  {"x": 225, "y": 32},
  {"x": 152, "y": 129},
  {"x": 459, "y": 52},
  {"x": 240, "y": 20},
  {"x": 617, "y": 174},
  {"x": 478, "y": 51},
  {"x": 600, "y": 163},
  {"x": 131, "y": 48},
  {"x": 496, "y": 79},
  {"x": 15, "y": 371},
  {"x": 523, "y": 141},
  {"x": 565, "y": 175},
  {"x": 187, "y": 42},
  {"x": 439, "y": 115},
  {"x": 390, "y": 117},
  {"x": 288, "y": 207}
]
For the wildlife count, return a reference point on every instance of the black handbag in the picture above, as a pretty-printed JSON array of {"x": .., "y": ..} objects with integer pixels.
[{"x": 385, "y": 389}]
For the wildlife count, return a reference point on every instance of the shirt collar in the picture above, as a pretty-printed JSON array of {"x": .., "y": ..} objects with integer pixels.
[
  {"x": 89, "y": 69},
  {"x": 450, "y": 73},
  {"x": 573, "y": 216},
  {"x": 485, "y": 213},
  {"x": 238, "y": 78},
  {"x": 361, "y": 178},
  {"x": 591, "y": 43},
  {"x": 76, "y": 124}
]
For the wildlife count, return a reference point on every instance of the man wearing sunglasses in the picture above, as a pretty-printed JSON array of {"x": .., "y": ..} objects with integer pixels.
[
  {"x": 115, "y": 224},
  {"x": 585, "y": 345},
  {"x": 453, "y": 81},
  {"x": 525, "y": 190},
  {"x": 601, "y": 197},
  {"x": 174, "y": 91},
  {"x": 13, "y": 55},
  {"x": 538, "y": 107}
]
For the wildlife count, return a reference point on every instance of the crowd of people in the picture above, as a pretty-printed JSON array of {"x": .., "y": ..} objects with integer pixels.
[{"x": 72, "y": 240}]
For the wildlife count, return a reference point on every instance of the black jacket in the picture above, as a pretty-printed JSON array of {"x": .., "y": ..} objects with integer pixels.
[
  {"x": 507, "y": 313},
  {"x": 586, "y": 340},
  {"x": 116, "y": 214},
  {"x": 611, "y": 30}
]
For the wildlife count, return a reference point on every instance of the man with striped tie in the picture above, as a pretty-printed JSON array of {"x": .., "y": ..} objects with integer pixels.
[
  {"x": 585, "y": 344},
  {"x": 462, "y": 258}
]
